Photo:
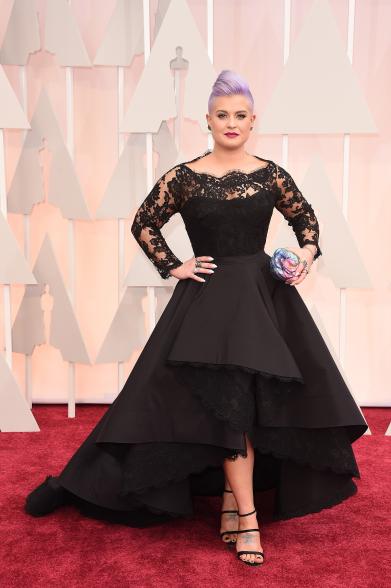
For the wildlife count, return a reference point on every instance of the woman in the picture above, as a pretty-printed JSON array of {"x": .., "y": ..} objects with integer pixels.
[{"x": 235, "y": 390}]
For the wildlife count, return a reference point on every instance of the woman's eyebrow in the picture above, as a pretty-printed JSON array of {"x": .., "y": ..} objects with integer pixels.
[{"x": 237, "y": 112}]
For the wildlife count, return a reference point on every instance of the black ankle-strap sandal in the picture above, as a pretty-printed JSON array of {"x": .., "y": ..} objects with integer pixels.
[
  {"x": 239, "y": 553},
  {"x": 228, "y": 532}
]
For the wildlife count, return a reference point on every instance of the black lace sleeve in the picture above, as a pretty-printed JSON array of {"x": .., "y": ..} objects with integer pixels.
[
  {"x": 157, "y": 208},
  {"x": 297, "y": 210}
]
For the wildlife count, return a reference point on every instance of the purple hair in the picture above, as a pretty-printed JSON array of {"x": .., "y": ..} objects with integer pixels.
[{"x": 227, "y": 83}]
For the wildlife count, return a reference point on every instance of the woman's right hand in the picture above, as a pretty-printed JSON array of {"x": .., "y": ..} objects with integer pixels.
[{"x": 188, "y": 269}]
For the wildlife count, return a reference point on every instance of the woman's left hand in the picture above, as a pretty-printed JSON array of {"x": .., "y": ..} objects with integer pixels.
[{"x": 300, "y": 274}]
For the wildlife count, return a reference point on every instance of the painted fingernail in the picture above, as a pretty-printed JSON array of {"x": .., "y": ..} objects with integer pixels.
[{"x": 211, "y": 271}]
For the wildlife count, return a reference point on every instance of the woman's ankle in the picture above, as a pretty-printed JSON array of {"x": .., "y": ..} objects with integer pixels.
[
  {"x": 229, "y": 499},
  {"x": 245, "y": 510}
]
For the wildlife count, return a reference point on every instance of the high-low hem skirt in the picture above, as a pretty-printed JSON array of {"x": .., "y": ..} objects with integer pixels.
[{"x": 237, "y": 354}]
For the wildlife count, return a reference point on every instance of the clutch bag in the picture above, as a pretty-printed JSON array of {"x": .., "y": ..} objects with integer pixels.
[{"x": 283, "y": 263}]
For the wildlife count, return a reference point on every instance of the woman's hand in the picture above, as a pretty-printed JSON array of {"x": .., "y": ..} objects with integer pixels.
[
  {"x": 188, "y": 269},
  {"x": 301, "y": 273}
]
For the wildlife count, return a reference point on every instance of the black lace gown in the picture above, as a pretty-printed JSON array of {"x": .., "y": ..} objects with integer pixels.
[{"x": 238, "y": 353}]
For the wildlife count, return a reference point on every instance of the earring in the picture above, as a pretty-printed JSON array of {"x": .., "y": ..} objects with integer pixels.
[
  {"x": 209, "y": 128},
  {"x": 251, "y": 128}
]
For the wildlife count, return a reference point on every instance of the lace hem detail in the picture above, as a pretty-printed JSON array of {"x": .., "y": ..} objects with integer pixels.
[
  {"x": 228, "y": 390},
  {"x": 236, "y": 397},
  {"x": 315, "y": 507},
  {"x": 232, "y": 366},
  {"x": 131, "y": 516},
  {"x": 310, "y": 448},
  {"x": 155, "y": 465},
  {"x": 158, "y": 516},
  {"x": 232, "y": 395}
]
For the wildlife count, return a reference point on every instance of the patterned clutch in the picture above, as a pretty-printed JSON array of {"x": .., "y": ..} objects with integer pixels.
[{"x": 283, "y": 263}]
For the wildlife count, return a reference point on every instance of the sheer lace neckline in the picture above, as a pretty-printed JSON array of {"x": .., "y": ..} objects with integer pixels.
[{"x": 229, "y": 171}]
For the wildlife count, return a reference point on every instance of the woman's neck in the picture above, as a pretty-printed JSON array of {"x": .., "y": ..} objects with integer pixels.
[{"x": 222, "y": 158}]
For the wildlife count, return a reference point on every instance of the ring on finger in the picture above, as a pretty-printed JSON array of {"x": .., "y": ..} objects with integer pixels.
[{"x": 198, "y": 263}]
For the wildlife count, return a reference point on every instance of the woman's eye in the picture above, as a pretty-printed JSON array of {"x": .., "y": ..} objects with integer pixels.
[{"x": 239, "y": 115}]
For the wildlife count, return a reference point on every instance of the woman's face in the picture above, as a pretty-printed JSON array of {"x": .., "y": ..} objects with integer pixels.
[{"x": 230, "y": 114}]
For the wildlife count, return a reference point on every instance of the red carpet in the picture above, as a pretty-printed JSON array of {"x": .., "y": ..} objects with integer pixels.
[{"x": 344, "y": 546}]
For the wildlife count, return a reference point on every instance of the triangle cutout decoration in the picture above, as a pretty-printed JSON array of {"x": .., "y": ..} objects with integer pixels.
[
  {"x": 127, "y": 182},
  {"x": 62, "y": 35},
  {"x": 15, "y": 414},
  {"x": 14, "y": 268},
  {"x": 64, "y": 189},
  {"x": 124, "y": 35},
  {"x": 12, "y": 115},
  {"x": 22, "y": 34},
  {"x": 318, "y": 91},
  {"x": 343, "y": 264},
  {"x": 28, "y": 329},
  {"x": 127, "y": 329},
  {"x": 164, "y": 145},
  {"x": 65, "y": 332},
  {"x": 154, "y": 99}
]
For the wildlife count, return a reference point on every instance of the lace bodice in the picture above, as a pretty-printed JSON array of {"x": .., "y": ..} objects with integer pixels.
[{"x": 223, "y": 215}]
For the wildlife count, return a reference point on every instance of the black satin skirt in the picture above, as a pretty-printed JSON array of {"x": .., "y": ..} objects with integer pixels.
[{"x": 237, "y": 354}]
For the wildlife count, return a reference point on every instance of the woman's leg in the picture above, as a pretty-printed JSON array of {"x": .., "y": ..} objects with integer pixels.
[
  {"x": 229, "y": 520},
  {"x": 239, "y": 476}
]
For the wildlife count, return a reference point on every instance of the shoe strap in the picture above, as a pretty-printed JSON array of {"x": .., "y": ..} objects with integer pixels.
[
  {"x": 242, "y": 552},
  {"x": 247, "y": 513},
  {"x": 228, "y": 491},
  {"x": 247, "y": 530}
]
